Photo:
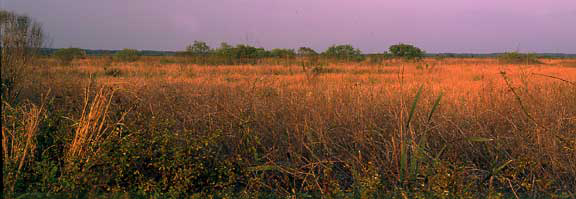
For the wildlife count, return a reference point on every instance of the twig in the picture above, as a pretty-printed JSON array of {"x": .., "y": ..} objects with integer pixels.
[{"x": 569, "y": 82}]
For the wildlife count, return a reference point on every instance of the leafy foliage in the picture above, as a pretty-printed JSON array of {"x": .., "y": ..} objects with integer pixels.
[
  {"x": 305, "y": 51},
  {"x": 66, "y": 55},
  {"x": 518, "y": 58},
  {"x": 344, "y": 52},
  {"x": 407, "y": 52},
  {"x": 198, "y": 48}
]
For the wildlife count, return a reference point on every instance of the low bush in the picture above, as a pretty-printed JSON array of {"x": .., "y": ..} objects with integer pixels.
[
  {"x": 65, "y": 56},
  {"x": 128, "y": 55},
  {"x": 518, "y": 58},
  {"x": 407, "y": 52}
]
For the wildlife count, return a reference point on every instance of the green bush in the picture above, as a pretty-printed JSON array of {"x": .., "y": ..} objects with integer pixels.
[
  {"x": 198, "y": 48},
  {"x": 518, "y": 58},
  {"x": 128, "y": 55},
  {"x": 305, "y": 51},
  {"x": 344, "y": 52},
  {"x": 66, "y": 55},
  {"x": 282, "y": 53},
  {"x": 407, "y": 52}
]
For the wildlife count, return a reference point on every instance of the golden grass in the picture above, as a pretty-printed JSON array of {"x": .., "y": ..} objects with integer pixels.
[
  {"x": 353, "y": 113},
  {"x": 91, "y": 125}
]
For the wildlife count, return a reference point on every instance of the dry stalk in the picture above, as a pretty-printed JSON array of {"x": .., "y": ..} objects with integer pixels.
[
  {"x": 19, "y": 144},
  {"x": 90, "y": 127}
]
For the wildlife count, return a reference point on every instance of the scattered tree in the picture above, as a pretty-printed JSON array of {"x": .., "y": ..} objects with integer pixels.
[
  {"x": 407, "y": 52},
  {"x": 344, "y": 52},
  {"x": 198, "y": 48},
  {"x": 305, "y": 51}
]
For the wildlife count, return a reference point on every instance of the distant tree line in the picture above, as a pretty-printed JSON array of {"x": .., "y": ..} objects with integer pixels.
[
  {"x": 65, "y": 56},
  {"x": 246, "y": 54},
  {"x": 200, "y": 52}
]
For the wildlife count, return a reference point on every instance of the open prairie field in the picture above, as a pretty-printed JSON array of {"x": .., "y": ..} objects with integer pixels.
[{"x": 443, "y": 128}]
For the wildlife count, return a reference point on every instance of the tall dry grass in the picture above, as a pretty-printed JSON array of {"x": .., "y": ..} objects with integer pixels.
[
  {"x": 91, "y": 126},
  {"x": 444, "y": 126}
]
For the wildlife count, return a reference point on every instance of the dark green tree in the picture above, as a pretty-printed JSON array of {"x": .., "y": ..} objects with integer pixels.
[
  {"x": 305, "y": 51},
  {"x": 344, "y": 52},
  {"x": 198, "y": 48},
  {"x": 407, "y": 52},
  {"x": 243, "y": 51}
]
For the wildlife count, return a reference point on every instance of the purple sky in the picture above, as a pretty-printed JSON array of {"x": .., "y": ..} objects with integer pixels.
[{"x": 477, "y": 26}]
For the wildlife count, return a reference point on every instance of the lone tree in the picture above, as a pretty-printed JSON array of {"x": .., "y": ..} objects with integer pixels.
[
  {"x": 407, "y": 51},
  {"x": 128, "y": 55},
  {"x": 305, "y": 51},
  {"x": 344, "y": 52},
  {"x": 21, "y": 38},
  {"x": 198, "y": 48},
  {"x": 66, "y": 55}
]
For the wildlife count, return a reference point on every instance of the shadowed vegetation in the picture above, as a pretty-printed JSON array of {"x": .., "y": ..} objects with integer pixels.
[{"x": 243, "y": 122}]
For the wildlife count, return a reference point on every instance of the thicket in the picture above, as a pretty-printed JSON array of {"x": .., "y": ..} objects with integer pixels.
[
  {"x": 65, "y": 56},
  {"x": 518, "y": 58},
  {"x": 344, "y": 52},
  {"x": 200, "y": 53}
]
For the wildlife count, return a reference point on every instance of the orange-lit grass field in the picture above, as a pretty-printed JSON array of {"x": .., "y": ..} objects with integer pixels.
[{"x": 497, "y": 129}]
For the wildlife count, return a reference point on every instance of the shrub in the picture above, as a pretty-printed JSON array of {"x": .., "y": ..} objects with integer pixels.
[
  {"x": 305, "y": 51},
  {"x": 518, "y": 58},
  {"x": 128, "y": 55},
  {"x": 407, "y": 52},
  {"x": 66, "y": 55},
  {"x": 198, "y": 48},
  {"x": 344, "y": 52}
]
